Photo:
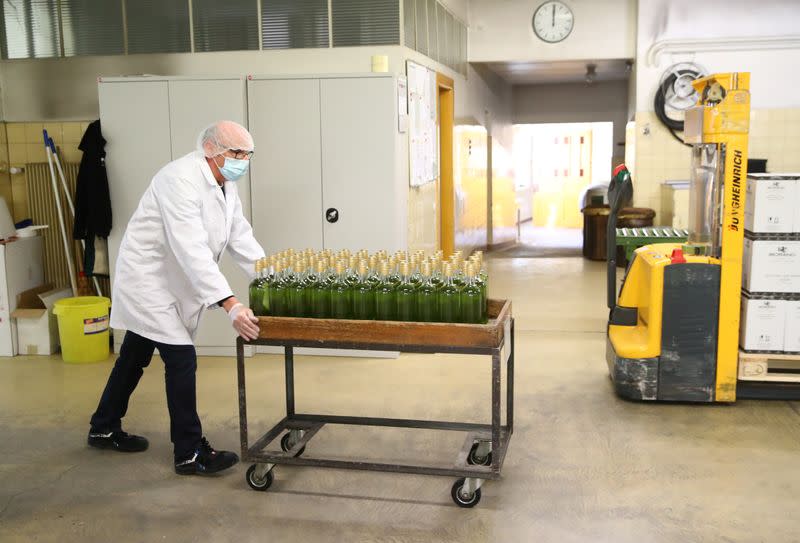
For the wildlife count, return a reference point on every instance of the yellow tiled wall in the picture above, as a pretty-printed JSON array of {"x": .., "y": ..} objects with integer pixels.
[
  {"x": 774, "y": 135},
  {"x": 25, "y": 144}
]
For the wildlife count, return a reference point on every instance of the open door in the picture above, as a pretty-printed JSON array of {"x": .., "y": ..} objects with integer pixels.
[{"x": 446, "y": 117}]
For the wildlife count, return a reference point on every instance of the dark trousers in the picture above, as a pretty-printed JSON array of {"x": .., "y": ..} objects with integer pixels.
[{"x": 180, "y": 366}]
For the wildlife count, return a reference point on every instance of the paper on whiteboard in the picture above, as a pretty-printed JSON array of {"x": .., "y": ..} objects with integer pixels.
[{"x": 423, "y": 128}]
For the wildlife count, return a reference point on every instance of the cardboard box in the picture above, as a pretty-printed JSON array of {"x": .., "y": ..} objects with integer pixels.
[
  {"x": 37, "y": 328},
  {"x": 771, "y": 265},
  {"x": 770, "y": 204},
  {"x": 762, "y": 326},
  {"x": 791, "y": 341}
]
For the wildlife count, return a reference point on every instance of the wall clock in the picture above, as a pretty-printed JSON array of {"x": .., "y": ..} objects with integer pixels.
[{"x": 553, "y": 21}]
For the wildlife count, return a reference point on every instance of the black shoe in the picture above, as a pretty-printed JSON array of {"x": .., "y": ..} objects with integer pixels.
[
  {"x": 117, "y": 441},
  {"x": 205, "y": 460}
]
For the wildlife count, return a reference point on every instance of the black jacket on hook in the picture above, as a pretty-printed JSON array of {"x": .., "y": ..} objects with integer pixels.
[{"x": 92, "y": 199}]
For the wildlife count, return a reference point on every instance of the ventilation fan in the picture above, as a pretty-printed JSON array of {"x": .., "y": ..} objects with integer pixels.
[{"x": 675, "y": 94}]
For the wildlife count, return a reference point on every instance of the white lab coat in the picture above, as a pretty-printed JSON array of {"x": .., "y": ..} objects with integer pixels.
[{"x": 167, "y": 270}]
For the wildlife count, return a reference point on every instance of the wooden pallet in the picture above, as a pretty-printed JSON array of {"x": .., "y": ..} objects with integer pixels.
[{"x": 774, "y": 367}]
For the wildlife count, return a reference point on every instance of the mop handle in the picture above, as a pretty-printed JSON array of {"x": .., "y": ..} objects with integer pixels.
[
  {"x": 63, "y": 178},
  {"x": 70, "y": 266}
]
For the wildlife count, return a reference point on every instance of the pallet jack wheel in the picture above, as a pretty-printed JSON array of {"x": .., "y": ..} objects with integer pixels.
[
  {"x": 461, "y": 500},
  {"x": 479, "y": 461},
  {"x": 286, "y": 446},
  {"x": 259, "y": 484}
]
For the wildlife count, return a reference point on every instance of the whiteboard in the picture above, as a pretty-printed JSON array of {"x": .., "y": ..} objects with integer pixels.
[{"x": 423, "y": 129}]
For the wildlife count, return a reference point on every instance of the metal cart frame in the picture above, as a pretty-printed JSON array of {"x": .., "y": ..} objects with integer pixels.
[{"x": 481, "y": 457}]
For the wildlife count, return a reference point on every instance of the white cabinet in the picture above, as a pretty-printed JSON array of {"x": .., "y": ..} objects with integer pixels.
[
  {"x": 21, "y": 269},
  {"x": 331, "y": 166},
  {"x": 321, "y": 142},
  {"x": 287, "y": 166},
  {"x": 147, "y": 122}
]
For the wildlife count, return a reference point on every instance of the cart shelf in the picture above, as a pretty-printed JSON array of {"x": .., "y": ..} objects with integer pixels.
[{"x": 485, "y": 445}]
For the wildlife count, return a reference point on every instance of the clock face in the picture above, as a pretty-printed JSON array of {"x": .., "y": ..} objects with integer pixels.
[{"x": 553, "y": 21}]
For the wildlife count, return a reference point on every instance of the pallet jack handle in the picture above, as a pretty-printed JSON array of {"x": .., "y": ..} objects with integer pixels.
[{"x": 620, "y": 194}]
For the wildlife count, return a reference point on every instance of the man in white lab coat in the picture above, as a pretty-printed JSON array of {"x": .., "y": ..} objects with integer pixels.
[{"x": 167, "y": 274}]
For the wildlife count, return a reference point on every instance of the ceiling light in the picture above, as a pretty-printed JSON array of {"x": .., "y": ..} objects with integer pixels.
[{"x": 591, "y": 73}]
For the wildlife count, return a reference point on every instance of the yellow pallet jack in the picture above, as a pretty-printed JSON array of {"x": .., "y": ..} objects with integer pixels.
[{"x": 673, "y": 334}]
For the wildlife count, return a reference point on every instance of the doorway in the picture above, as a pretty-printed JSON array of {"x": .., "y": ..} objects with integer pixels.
[
  {"x": 446, "y": 118},
  {"x": 558, "y": 167}
]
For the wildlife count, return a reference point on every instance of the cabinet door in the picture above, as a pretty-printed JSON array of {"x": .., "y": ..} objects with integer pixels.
[
  {"x": 193, "y": 106},
  {"x": 286, "y": 172},
  {"x": 359, "y": 135},
  {"x": 134, "y": 118}
]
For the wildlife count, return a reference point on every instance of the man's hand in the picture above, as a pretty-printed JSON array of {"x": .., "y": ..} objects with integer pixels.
[{"x": 243, "y": 321}]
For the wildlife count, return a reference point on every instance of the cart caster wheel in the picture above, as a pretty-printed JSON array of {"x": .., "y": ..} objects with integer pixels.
[
  {"x": 286, "y": 446},
  {"x": 472, "y": 458},
  {"x": 460, "y": 499},
  {"x": 259, "y": 484}
]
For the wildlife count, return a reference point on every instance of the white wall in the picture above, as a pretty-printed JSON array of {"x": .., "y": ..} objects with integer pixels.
[
  {"x": 574, "y": 103},
  {"x": 740, "y": 25},
  {"x": 66, "y": 89},
  {"x": 459, "y": 8},
  {"x": 500, "y": 31}
]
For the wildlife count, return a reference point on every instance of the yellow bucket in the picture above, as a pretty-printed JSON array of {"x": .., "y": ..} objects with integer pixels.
[{"x": 83, "y": 328}]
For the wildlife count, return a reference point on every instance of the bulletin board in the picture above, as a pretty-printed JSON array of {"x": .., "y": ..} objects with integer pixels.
[{"x": 423, "y": 128}]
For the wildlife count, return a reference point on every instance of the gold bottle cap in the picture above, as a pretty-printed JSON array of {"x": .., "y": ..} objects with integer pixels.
[
  {"x": 447, "y": 270},
  {"x": 384, "y": 268},
  {"x": 320, "y": 267},
  {"x": 404, "y": 268},
  {"x": 469, "y": 270},
  {"x": 340, "y": 267},
  {"x": 362, "y": 267}
]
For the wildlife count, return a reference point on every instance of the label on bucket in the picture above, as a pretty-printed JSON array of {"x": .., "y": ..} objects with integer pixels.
[{"x": 95, "y": 326}]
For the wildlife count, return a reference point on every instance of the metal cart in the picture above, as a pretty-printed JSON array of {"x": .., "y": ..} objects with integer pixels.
[{"x": 483, "y": 453}]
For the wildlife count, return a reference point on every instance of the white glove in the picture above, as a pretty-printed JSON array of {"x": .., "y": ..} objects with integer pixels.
[{"x": 243, "y": 321}]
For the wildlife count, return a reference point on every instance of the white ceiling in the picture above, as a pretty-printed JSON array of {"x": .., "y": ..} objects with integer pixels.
[{"x": 573, "y": 71}]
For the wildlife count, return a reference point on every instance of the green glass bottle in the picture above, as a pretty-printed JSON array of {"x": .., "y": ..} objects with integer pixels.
[
  {"x": 363, "y": 295},
  {"x": 459, "y": 278},
  {"x": 472, "y": 300},
  {"x": 374, "y": 274},
  {"x": 319, "y": 295},
  {"x": 385, "y": 302},
  {"x": 448, "y": 298},
  {"x": 256, "y": 299},
  {"x": 278, "y": 293},
  {"x": 266, "y": 284},
  {"x": 415, "y": 269},
  {"x": 351, "y": 275},
  {"x": 296, "y": 289},
  {"x": 341, "y": 294},
  {"x": 406, "y": 295},
  {"x": 427, "y": 308},
  {"x": 437, "y": 278},
  {"x": 482, "y": 280},
  {"x": 394, "y": 275},
  {"x": 311, "y": 283}
]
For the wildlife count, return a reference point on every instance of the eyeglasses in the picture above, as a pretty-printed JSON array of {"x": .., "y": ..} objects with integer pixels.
[{"x": 241, "y": 154}]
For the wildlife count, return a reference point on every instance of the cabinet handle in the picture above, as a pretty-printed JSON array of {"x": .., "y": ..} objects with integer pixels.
[{"x": 332, "y": 215}]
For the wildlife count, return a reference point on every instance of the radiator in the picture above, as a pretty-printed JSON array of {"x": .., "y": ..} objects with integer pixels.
[{"x": 42, "y": 209}]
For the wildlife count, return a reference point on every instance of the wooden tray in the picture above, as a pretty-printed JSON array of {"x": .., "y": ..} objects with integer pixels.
[{"x": 305, "y": 330}]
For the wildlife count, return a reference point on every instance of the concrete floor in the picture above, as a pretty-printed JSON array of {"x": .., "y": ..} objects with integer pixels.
[{"x": 582, "y": 465}]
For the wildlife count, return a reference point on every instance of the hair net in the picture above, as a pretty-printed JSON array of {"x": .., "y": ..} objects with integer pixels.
[{"x": 223, "y": 135}]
